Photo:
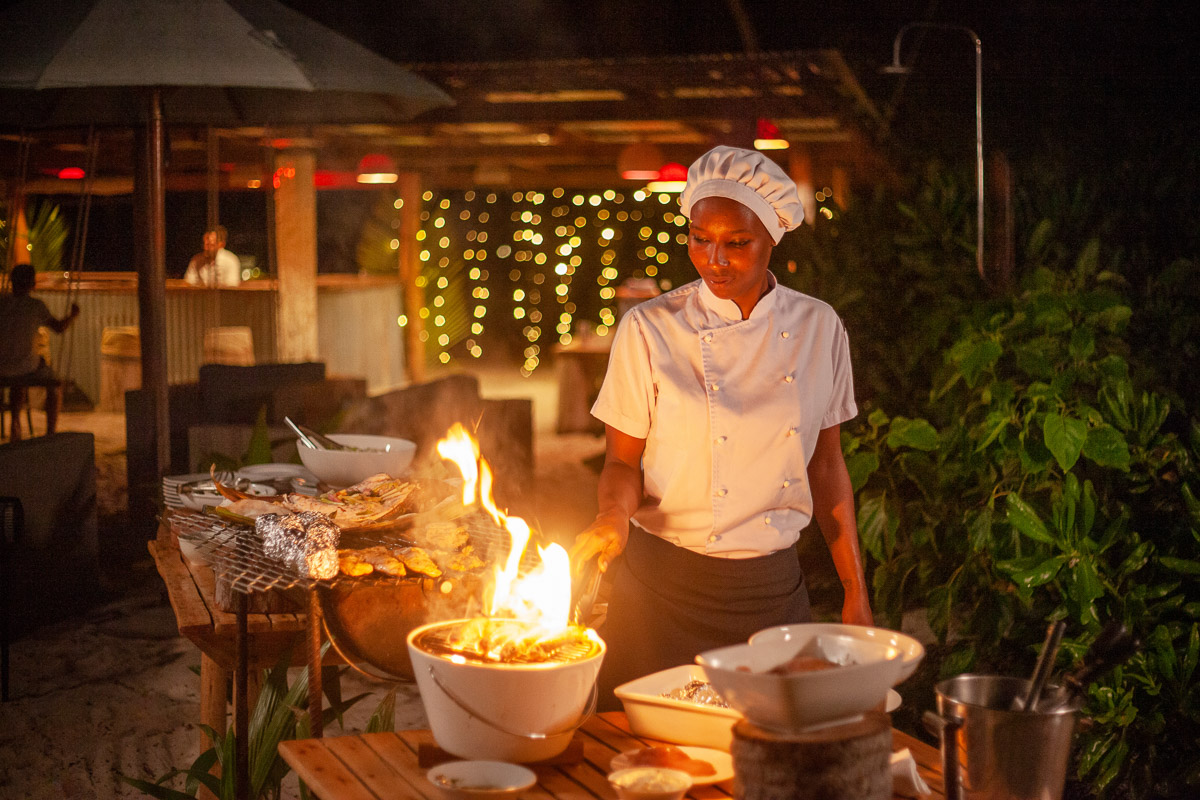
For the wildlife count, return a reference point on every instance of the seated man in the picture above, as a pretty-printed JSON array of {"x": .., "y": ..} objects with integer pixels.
[
  {"x": 20, "y": 367},
  {"x": 214, "y": 265}
]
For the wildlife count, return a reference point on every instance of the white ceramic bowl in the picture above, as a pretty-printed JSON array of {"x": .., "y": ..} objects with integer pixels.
[
  {"x": 347, "y": 467},
  {"x": 792, "y": 702},
  {"x": 913, "y": 650},
  {"x": 468, "y": 780},
  {"x": 656, "y": 717},
  {"x": 650, "y": 783}
]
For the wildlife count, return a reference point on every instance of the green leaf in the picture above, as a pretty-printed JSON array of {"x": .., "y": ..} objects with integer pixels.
[
  {"x": 1040, "y": 575},
  {"x": 1064, "y": 436},
  {"x": 960, "y": 660},
  {"x": 1114, "y": 319},
  {"x": 259, "y": 449},
  {"x": 156, "y": 790},
  {"x": 981, "y": 356},
  {"x": 1022, "y": 517},
  {"x": 861, "y": 466},
  {"x": 979, "y": 530},
  {"x": 1083, "y": 343},
  {"x": 1106, "y": 446},
  {"x": 872, "y": 522},
  {"x": 384, "y": 717},
  {"x": 1189, "y": 500},
  {"x": 877, "y": 419},
  {"x": 1181, "y": 565},
  {"x": 915, "y": 433}
]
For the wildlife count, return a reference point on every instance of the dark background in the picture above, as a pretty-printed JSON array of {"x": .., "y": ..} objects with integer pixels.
[{"x": 1092, "y": 82}]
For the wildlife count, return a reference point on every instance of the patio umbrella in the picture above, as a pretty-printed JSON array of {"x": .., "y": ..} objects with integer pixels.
[{"x": 67, "y": 63}]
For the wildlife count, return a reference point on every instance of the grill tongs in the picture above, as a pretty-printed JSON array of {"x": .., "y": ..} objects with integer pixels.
[{"x": 585, "y": 584}]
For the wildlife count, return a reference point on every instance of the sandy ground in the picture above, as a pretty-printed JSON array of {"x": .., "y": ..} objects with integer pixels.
[{"x": 114, "y": 689}]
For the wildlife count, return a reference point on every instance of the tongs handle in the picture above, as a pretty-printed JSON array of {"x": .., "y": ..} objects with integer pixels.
[
  {"x": 312, "y": 439},
  {"x": 584, "y": 590}
]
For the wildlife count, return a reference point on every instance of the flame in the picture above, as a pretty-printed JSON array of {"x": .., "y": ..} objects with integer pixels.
[{"x": 541, "y": 597}]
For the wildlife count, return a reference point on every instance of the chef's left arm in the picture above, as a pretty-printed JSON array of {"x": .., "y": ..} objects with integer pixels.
[{"x": 833, "y": 507}]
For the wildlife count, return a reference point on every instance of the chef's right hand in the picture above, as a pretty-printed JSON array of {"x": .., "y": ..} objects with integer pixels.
[{"x": 605, "y": 538}]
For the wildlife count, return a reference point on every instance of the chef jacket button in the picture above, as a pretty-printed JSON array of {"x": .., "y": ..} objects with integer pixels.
[
  {"x": 788, "y": 379},
  {"x": 722, "y": 492},
  {"x": 712, "y": 538},
  {"x": 786, "y": 484},
  {"x": 708, "y": 337},
  {"x": 791, "y": 431},
  {"x": 715, "y": 387},
  {"x": 721, "y": 439},
  {"x": 784, "y": 335},
  {"x": 766, "y": 520}
]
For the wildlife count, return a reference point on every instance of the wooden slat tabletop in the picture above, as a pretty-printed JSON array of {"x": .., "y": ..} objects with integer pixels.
[{"x": 384, "y": 766}]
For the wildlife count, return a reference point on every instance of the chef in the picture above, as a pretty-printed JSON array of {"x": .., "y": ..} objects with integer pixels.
[{"x": 722, "y": 407}]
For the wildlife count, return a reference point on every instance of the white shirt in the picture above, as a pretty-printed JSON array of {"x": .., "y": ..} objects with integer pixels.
[
  {"x": 730, "y": 410},
  {"x": 228, "y": 271}
]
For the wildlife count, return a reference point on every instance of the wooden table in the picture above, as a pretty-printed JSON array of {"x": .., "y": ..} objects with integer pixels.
[
  {"x": 384, "y": 766},
  {"x": 190, "y": 590}
]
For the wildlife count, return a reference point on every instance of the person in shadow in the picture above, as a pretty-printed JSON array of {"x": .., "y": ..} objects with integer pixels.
[{"x": 20, "y": 366}]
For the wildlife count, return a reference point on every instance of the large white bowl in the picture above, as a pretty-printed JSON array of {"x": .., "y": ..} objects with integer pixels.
[
  {"x": 912, "y": 650},
  {"x": 346, "y": 467},
  {"x": 790, "y": 703}
]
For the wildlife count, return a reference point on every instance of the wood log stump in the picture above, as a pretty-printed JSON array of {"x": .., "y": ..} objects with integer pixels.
[{"x": 828, "y": 763}]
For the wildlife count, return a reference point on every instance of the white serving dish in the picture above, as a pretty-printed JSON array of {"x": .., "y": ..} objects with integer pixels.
[
  {"x": 481, "y": 780},
  {"x": 340, "y": 468},
  {"x": 912, "y": 650},
  {"x": 656, "y": 717},
  {"x": 788, "y": 703}
]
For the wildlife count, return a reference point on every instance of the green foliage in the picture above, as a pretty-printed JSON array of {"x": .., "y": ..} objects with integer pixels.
[
  {"x": 281, "y": 713},
  {"x": 1033, "y": 457},
  {"x": 47, "y": 237},
  {"x": 1044, "y": 484}
]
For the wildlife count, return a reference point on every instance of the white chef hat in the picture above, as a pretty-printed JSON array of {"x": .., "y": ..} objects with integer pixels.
[{"x": 751, "y": 179}]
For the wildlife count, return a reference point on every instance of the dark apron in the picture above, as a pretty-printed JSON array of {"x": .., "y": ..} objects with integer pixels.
[{"x": 669, "y": 604}]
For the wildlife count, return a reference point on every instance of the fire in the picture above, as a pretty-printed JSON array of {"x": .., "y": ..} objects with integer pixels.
[{"x": 541, "y": 598}]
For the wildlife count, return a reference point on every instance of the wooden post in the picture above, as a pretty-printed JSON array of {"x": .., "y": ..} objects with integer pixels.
[
  {"x": 840, "y": 183},
  {"x": 296, "y": 252},
  {"x": 410, "y": 270},
  {"x": 1001, "y": 244}
]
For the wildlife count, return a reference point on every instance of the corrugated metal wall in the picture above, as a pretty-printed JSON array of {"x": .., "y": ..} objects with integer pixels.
[{"x": 357, "y": 331}]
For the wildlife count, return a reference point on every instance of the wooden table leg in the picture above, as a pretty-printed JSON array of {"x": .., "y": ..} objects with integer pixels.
[{"x": 214, "y": 689}]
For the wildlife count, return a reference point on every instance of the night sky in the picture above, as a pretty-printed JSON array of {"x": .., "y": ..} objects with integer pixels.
[{"x": 1078, "y": 65}]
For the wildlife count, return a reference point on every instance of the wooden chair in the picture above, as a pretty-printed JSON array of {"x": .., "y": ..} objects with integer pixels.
[{"x": 5, "y": 402}]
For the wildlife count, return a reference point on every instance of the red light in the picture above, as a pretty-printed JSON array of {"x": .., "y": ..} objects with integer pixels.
[
  {"x": 671, "y": 171},
  {"x": 324, "y": 177},
  {"x": 71, "y": 174},
  {"x": 767, "y": 129}
]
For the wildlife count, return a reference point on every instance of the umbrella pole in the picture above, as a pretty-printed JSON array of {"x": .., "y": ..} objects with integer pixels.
[{"x": 152, "y": 293}]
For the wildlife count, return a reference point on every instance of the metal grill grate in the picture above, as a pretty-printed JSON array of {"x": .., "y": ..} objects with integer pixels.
[{"x": 236, "y": 552}]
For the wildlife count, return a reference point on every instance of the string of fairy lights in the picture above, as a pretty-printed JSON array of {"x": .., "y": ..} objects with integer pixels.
[{"x": 531, "y": 269}]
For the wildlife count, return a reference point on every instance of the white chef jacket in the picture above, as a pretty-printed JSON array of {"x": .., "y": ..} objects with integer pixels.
[{"x": 730, "y": 410}]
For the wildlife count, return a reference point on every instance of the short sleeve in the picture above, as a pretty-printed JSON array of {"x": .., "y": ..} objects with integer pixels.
[
  {"x": 626, "y": 399},
  {"x": 841, "y": 397}
]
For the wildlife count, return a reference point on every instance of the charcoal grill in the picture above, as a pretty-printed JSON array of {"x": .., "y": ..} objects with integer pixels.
[{"x": 366, "y": 618}]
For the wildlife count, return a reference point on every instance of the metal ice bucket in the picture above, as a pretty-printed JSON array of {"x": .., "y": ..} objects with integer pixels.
[{"x": 991, "y": 752}]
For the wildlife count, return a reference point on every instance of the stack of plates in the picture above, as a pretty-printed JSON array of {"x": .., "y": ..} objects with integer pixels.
[{"x": 195, "y": 490}]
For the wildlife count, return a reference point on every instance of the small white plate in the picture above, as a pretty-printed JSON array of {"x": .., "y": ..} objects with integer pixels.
[
  {"x": 268, "y": 472},
  {"x": 722, "y": 762},
  {"x": 461, "y": 780},
  {"x": 893, "y": 701}
]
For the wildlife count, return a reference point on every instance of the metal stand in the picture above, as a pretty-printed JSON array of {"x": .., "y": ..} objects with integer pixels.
[
  {"x": 241, "y": 717},
  {"x": 314, "y": 664}
]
